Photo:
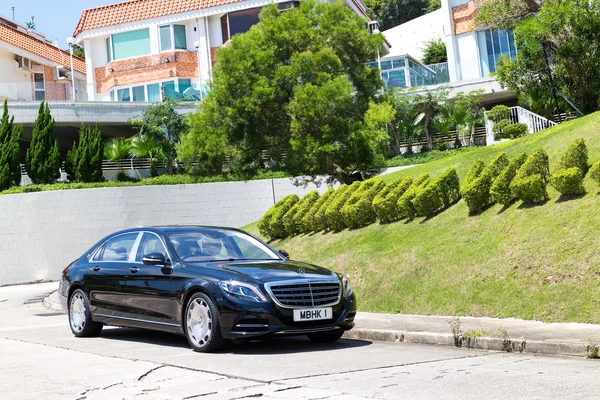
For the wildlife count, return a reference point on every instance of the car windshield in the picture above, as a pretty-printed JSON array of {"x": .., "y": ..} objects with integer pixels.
[{"x": 207, "y": 245}]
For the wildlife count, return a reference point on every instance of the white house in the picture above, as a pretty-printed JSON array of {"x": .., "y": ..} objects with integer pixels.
[{"x": 145, "y": 50}]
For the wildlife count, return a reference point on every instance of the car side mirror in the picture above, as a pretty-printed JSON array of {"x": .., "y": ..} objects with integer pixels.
[
  {"x": 154, "y": 259},
  {"x": 284, "y": 253}
]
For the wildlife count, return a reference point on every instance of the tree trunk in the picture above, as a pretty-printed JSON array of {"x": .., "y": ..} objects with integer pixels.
[
  {"x": 426, "y": 130},
  {"x": 472, "y": 138}
]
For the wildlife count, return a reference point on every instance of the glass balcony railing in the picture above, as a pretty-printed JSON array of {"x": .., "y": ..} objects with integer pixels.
[
  {"x": 442, "y": 73},
  {"x": 406, "y": 72},
  {"x": 38, "y": 91}
]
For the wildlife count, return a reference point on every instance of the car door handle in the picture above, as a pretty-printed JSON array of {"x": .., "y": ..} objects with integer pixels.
[
  {"x": 96, "y": 268},
  {"x": 133, "y": 270}
]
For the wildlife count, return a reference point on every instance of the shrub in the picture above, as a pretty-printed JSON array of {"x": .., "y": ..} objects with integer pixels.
[
  {"x": 568, "y": 181},
  {"x": 477, "y": 192},
  {"x": 293, "y": 218},
  {"x": 449, "y": 185},
  {"x": 405, "y": 206},
  {"x": 473, "y": 172},
  {"x": 84, "y": 161},
  {"x": 333, "y": 214},
  {"x": 576, "y": 156},
  {"x": 498, "y": 113},
  {"x": 385, "y": 203},
  {"x": 595, "y": 172},
  {"x": 276, "y": 225},
  {"x": 42, "y": 160},
  {"x": 537, "y": 163},
  {"x": 530, "y": 189},
  {"x": 428, "y": 199},
  {"x": 513, "y": 131},
  {"x": 264, "y": 224},
  {"x": 320, "y": 219},
  {"x": 358, "y": 210},
  {"x": 500, "y": 190},
  {"x": 308, "y": 221}
]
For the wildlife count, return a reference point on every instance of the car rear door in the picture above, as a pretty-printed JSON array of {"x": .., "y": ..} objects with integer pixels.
[
  {"x": 106, "y": 278},
  {"x": 148, "y": 286}
]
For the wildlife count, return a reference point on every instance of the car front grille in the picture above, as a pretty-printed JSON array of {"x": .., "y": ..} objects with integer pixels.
[{"x": 305, "y": 293}]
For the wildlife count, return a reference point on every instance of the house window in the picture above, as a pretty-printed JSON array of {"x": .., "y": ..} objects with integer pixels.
[
  {"x": 172, "y": 37},
  {"x": 130, "y": 44},
  {"x": 225, "y": 27},
  {"x": 108, "y": 50},
  {"x": 242, "y": 21},
  {"x": 154, "y": 92},
  {"x": 493, "y": 44},
  {"x": 123, "y": 95},
  {"x": 138, "y": 93},
  {"x": 39, "y": 86}
]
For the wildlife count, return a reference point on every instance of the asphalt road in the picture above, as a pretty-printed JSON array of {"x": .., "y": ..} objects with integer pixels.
[{"x": 40, "y": 359}]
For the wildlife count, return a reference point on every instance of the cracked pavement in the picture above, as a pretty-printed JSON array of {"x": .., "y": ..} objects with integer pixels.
[{"x": 40, "y": 358}]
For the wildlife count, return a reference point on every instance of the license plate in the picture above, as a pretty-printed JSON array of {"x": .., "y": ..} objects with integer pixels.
[{"x": 313, "y": 314}]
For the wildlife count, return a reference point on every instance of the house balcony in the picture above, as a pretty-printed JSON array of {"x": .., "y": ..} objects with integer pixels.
[{"x": 406, "y": 72}]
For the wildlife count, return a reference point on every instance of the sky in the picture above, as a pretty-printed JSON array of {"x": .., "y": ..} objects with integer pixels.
[{"x": 56, "y": 19}]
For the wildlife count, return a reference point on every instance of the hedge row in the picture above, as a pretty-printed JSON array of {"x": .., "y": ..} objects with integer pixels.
[
  {"x": 309, "y": 221},
  {"x": 530, "y": 183},
  {"x": 333, "y": 215},
  {"x": 292, "y": 220},
  {"x": 271, "y": 224},
  {"x": 500, "y": 190},
  {"x": 358, "y": 210},
  {"x": 385, "y": 204},
  {"x": 437, "y": 195},
  {"x": 477, "y": 191},
  {"x": 568, "y": 179},
  {"x": 406, "y": 208}
]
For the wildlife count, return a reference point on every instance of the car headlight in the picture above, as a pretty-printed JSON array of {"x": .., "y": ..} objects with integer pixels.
[
  {"x": 244, "y": 291},
  {"x": 346, "y": 285}
]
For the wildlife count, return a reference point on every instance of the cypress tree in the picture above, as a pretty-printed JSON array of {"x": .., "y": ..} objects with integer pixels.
[
  {"x": 10, "y": 137},
  {"x": 43, "y": 156},
  {"x": 84, "y": 160}
]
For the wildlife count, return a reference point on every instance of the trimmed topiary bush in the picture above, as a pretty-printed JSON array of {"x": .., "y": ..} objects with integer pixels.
[
  {"x": 358, "y": 211},
  {"x": 568, "y": 181},
  {"x": 308, "y": 221},
  {"x": 476, "y": 193},
  {"x": 473, "y": 172},
  {"x": 530, "y": 189},
  {"x": 595, "y": 172},
  {"x": 320, "y": 220},
  {"x": 264, "y": 224},
  {"x": 293, "y": 218},
  {"x": 576, "y": 156},
  {"x": 406, "y": 208},
  {"x": 537, "y": 163},
  {"x": 512, "y": 131},
  {"x": 428, "y": 199},
  {"x": 449, "y": 185},
  {"x": 385, "y": 204},
  {"x": 276, "y": 225},
  {"x": 333, "y": 214},
  {"x": 500, "y": 190}
]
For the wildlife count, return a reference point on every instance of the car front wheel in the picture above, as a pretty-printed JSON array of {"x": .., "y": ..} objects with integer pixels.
[
  {"x": 326, "y": 337},
  {"x": 80, "y": 317},
  {"x": 202, "y": 324}
]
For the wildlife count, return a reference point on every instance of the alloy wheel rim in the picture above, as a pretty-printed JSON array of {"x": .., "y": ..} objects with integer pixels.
[
  {"x": 77, "y": 312},
  {"x": 199, "y": 322}
]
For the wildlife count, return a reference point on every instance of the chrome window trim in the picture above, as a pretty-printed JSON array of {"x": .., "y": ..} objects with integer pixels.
[
  {"x": 170, "y": 258},
  {"x": 137, "y": 320},
  {"x": 303, "y": 281},
  {"x": 135, "y": 244}
]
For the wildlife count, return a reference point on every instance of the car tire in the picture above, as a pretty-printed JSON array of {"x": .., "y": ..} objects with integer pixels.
[
  {"x": 326, "y": 337},
  {"x": 80, "y": 317},
  {"x": 201, "y": 324}
]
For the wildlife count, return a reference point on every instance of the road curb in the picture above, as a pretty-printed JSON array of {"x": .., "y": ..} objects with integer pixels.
[
  {"x": 52, "y": 303},
  {"x": 509, "y": 345}
]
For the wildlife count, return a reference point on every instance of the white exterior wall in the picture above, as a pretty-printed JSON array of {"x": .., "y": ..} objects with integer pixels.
[
  {"x": 43, "y": 232},
  {"x": 14, "y": 84},
  {"x": 215, "y": 32},
  {"x": 410, "y": 37},
  {"x": 468, "y": 56}
]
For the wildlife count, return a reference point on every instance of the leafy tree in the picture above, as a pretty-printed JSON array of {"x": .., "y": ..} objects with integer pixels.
[
  {"x": 78, "y": 51},
  {"x": 10, "y": 137},
  {"x": 433, "y": 6},
  {"x": 429, "y": 103},
  {"x": 43, "y": 156},
  {"x": 390, "y": 13},
  {"x": 435, "y": 52},
  {"x": 296, "y": 84},
  {"x": 473, "y": 102},
  {"x": 147, "y": 146},
  {"x": 162, "y": 121},
  {"x": 559, "y": 51},
  {"x": 117, "y": 149},
  {"x": 84, "y": 161}
]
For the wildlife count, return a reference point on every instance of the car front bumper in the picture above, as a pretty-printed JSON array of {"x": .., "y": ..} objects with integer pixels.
[{"x": 245, "y": 320}]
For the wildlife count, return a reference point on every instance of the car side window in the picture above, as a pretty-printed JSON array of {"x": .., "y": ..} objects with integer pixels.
[
  {"x": 117, "y": 249},
  {"x": 150, "y": 243}
]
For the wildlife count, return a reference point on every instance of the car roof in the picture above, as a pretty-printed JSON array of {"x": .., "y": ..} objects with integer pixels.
[{"x": 174, "y": 228}]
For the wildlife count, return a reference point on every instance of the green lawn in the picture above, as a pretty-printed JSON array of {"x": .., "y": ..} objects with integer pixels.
[{"x": 538, "y": 262}]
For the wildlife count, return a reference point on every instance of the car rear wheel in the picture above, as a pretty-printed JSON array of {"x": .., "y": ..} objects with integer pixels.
[
  {"x": 326, "y": 337},
  {"x": 80, "y": 317},
  {"x": 201, "y": 323}
]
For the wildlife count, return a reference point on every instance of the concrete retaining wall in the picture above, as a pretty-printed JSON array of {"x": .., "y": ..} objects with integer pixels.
[{"x": 43, "y": 232}]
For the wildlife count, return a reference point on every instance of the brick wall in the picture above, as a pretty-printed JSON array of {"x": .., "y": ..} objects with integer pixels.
[
  {"x": 464, "y": 16},
  {"x": 144, "y": 69},
  {"x": 55, "y": 90}
]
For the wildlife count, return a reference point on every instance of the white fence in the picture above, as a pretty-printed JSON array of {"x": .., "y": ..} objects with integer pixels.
[{"x": 534, "y": 122}]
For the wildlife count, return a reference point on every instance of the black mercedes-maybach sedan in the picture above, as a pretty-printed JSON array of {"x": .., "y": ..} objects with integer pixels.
[{"x": 209, "y": 284}]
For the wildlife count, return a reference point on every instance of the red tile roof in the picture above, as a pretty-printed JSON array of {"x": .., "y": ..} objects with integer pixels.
[
  {"x": 138, "y": 10},
  {"x": 40, "y": 48}
]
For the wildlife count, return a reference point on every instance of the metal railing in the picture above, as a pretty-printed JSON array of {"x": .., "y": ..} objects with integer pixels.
[{"x": 534, "y": 122}]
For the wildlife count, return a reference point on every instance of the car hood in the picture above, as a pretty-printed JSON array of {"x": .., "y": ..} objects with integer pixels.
[{"x": 269, "y": 271}]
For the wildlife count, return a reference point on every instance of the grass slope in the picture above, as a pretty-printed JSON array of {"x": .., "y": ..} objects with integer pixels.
[{"x": 538, "y": 262}]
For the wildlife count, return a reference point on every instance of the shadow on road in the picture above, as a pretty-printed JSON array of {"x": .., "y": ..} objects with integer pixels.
[{"x": 287, "y": 345}]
